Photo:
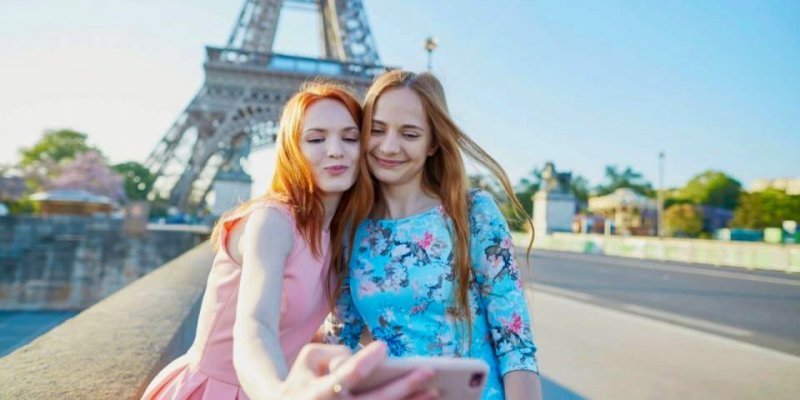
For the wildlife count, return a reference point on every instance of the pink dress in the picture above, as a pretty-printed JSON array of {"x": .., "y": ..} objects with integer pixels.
[{"x": 206, "y": 370}]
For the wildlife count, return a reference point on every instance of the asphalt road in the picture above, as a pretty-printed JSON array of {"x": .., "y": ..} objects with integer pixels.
[{"x": 757, "y": 307}]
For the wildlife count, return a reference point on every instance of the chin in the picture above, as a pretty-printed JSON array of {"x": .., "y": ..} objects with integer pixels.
[
  {"x": 389, "y": 180},
  {"x": 337, "y": 187}
]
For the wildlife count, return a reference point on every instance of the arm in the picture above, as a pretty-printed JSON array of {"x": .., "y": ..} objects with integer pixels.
[
  {"x": 522, "y": 385},
  {"x": 497, "y": 276},
  {"x": 257, "y": 354},
  {"x": 345, "y": 324}
]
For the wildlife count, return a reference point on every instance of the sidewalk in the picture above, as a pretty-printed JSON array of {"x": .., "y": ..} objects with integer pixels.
[{"x": 600, "y": 353}]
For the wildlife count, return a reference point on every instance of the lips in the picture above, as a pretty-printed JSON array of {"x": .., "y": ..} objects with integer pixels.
[
  {"x": 336, "y": 170},
  {"x": 387, "y": 163}
]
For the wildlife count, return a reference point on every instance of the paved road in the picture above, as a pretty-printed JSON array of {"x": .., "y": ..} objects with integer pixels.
[
  {"x": 762, "y": 308},
  {"x": 596, "y": 352}
]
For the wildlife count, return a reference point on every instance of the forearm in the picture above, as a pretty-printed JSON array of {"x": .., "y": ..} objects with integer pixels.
[
  {"x": 259, "y": 361},
  {"x": 522, "y": 385}
]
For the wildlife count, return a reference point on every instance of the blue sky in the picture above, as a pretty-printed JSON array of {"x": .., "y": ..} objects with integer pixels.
[{"x": 715, "y": 84}]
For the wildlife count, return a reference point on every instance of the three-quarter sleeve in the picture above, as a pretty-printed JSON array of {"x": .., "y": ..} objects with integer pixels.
[
  {"x": 344, "y": 325},
  {"x": 500, "y": 287}
]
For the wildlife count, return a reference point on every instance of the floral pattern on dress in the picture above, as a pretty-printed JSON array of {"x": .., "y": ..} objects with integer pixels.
[{"x": 405, "y": 294}]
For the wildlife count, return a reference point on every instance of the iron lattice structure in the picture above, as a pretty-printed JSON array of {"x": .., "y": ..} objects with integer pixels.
[{"x": 246, "y": 84}]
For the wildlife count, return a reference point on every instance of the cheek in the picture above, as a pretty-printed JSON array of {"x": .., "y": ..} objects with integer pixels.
[
  {"x": 420, "y": 151},
  {"x": 353, "y": 150},
  {"x": 373, "y": 143},
  {"x": 313, "y": 155}
]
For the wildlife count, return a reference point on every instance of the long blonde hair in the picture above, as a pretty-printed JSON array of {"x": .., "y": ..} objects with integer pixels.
[
  {"x": 444, "y": 173},
  {"x": 293, "y": 182}
]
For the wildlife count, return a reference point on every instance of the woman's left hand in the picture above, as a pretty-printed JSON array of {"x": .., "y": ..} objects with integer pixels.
[{"x": 324, "y": 372}]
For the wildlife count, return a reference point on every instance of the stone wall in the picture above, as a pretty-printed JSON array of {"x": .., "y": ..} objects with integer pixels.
[
  {"x": 71, "y": 262},
  {"x": 114, "y": 348}
]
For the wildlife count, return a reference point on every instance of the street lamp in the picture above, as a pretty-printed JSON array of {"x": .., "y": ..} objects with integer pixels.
[
  {"x": 430, "y": 46},
  {"x": 661, "y": 194}
]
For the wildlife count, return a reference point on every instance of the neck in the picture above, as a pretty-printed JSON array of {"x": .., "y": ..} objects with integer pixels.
[
  {"x": 403, "y": 200},
  {"x": 330, "y": 201}
]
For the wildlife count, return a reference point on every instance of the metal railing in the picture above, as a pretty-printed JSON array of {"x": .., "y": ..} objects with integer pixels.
[{"x": 292, "y": 64}]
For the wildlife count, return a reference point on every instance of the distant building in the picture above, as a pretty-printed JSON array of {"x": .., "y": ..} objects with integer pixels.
[
  {"x": 790, "y": 185},
  {"x": 72, "y": 202},
  {"x": 629, "y": 212}
]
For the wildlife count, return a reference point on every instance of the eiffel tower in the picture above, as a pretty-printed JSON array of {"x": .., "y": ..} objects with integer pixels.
[{"x": 246, "y": 84}]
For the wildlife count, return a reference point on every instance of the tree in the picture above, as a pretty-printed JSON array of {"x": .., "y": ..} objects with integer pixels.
[
  {"x": 138, "y": 179},
  {"x": 56, "y": 146},
  {"x": 627, "y": 178},
  {"x": 88, "y": 171},
  {"x": 713, "y": 188},
  {"x": 683, "y": 220},
  {"x": 766, "y": 209},
  {"x": 579, "y": 187},
  {"x": 527, "y": 187},
  {"x": 523, "y": 191}
]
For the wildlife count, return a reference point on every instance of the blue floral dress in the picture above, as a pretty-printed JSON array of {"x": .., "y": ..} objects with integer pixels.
[{"x": 400, "y": 285}]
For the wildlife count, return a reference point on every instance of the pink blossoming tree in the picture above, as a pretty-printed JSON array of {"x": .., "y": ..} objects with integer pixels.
[{"x": 89, "y": 171}]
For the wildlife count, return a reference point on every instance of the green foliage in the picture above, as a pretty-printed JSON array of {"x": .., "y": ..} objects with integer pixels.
[
  {"x": 43, "y": 161},
  {"x": 670, "y": 201},
  {"x": 627, "y": 178},
  {"x": 524, "y": 191},
  {"x": 23, "y": 206},
  {"x": 55, "y": 146},
  {"x": 159, "y": 207},
  {"x": 580, "y": 188},
  {"x": 713, "y": 188},
  {"x": 683, "y": 220},
  {"x": 138, "y": 179},
  {"x": 766, "y": 209}
]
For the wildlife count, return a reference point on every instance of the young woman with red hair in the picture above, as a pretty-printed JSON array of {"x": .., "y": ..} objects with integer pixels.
[
  {"x": 432, "y": 270},
  {"x": 268, "y": 290}
]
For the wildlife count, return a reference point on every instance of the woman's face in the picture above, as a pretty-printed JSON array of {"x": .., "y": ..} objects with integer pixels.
[
  {"x": 400, "y": 140},
  {"x": 330, "y": 143}
]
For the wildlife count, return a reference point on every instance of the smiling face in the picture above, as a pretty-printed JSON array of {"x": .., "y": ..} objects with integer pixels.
[
  {"x": 330, "y": 142},
  {"x": 400, "y": 140}
]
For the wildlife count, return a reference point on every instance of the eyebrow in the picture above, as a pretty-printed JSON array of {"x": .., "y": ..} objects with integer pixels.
[
  {"x": 323, "y": 130},
  {"x": 404, "y": 126},
  {"x": 411, "y": 126}
]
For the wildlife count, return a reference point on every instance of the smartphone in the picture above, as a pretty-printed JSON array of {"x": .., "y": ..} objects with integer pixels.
[{"x": 454, "y": 378}]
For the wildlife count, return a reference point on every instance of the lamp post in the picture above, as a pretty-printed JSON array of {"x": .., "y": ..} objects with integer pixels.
[
  {"x": 430, "y": 46},
  {"x": 661, "y": 194}
]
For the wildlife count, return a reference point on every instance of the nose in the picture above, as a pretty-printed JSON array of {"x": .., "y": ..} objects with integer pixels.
[
  {"x": 389, "y": 144},
  {"x": 335, "y": 148}
]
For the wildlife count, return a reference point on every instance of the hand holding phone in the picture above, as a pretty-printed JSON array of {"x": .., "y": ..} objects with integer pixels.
[{"x": 454, "y": 378}]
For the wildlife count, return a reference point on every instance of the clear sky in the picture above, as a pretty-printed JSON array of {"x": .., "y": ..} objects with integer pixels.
[{"x": 715, "y": 84}]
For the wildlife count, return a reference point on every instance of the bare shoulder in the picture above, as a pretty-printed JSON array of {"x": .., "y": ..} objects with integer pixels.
[{"x": 264, "y": 227}]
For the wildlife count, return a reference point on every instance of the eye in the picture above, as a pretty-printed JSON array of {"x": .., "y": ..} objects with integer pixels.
[
  {"x": 351, "y": 139},
  {"x": 410, "y": 135},
  {"x": 315, "y": 140},
  {"x": 377, "y": 132}
]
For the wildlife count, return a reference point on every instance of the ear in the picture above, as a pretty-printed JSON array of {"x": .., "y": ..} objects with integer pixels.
[{"x": 434, "y": 148}]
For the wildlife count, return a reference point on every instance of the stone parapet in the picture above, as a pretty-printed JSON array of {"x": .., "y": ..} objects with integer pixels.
[{"x": 113, "y": 349}]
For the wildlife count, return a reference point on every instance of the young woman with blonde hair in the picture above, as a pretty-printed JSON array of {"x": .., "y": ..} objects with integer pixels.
[
  {"x": 268, "y": 289},
  {"x": 432, "y": 270}
]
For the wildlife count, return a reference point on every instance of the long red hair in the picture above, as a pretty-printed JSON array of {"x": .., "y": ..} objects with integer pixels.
[{"x": 293, "y": 182}]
